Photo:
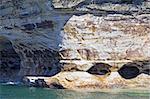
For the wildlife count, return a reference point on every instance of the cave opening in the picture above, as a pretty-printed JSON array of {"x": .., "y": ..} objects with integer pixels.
[
  {"x": 129, "y": 70},
  {"x": 100, "y": 69},
  {"x": 133, "y": 69},
  {"x": 9, "y": 61}
]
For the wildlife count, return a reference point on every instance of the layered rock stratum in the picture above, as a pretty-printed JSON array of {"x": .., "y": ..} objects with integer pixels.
[{"x": 68, "y": 37}]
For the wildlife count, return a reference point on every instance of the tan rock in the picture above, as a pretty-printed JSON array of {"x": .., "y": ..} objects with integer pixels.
[
  {"x": 111, "y": 38},
  {"x": 84, "y": 80}
]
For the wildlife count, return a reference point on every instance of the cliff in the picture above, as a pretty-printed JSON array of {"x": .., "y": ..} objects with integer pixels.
[{"x": 45, "y": 37}]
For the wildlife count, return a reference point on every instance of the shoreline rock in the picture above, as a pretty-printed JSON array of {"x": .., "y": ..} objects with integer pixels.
[{"x": 83, "y": 80}]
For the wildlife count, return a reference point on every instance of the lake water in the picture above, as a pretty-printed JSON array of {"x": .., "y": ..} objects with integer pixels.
[{"x": 21, "y": 92}]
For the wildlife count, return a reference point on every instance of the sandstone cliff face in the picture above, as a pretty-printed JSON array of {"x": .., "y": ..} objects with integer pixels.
[
  {"x": 103, "y": 38},
  {"x": 47, "y": 36}
]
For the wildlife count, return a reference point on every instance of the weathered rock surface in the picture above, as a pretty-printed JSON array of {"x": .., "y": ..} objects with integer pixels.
[
  {"x": 112, "y": 37},
  {"x": 84, "y": 80},
  {"x": 33, "y": 28},
  {"x": 66, "y": 3},
  {"x": 9, "y": 60},
  {"x": 49, "y": 36}
]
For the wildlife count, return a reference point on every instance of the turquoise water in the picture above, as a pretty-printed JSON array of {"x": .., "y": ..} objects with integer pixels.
[{"x": 21, "y": 92}]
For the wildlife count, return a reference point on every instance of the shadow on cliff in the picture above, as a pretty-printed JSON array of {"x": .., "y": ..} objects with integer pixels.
[
  {"x": 9, "y": 60},
  {"x": 35, "y": 50}
]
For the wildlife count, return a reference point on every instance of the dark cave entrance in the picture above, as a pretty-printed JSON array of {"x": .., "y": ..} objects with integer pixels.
[
  {"x": 133, "y": 69},
  {"x": 100, "y": 69},
  {"x": 9, "y": 61}
]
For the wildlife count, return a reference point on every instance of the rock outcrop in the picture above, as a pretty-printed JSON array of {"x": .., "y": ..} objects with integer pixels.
[
  {"x": 45, "y": 37},
  {"x": 112, "y": 39},
  {"x": 34, "y": 33},
  {"x": 83, "y": 80}
]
